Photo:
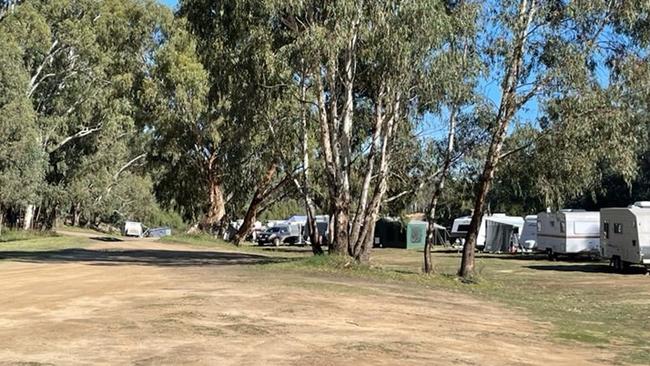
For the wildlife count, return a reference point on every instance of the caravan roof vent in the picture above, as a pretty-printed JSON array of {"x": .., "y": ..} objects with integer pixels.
[{"x": 642, "y": 204}]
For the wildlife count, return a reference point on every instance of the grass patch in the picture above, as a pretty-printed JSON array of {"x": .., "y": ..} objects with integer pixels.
[
  {"x": 17, "y": 235},
  {"x": 44, "y": 244}
]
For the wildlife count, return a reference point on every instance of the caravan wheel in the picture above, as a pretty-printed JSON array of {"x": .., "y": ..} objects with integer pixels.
[{"x": 551, "y": 256}]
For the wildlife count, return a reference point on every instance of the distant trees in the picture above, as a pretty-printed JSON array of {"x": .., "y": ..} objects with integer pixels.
[{"x": 74, "y": 69}]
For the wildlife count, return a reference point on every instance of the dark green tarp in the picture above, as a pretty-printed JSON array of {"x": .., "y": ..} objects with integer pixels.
[{"x": 392, "y": 233}]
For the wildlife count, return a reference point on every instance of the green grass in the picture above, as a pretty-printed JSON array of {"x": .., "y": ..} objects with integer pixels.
[
  {"x": 44, "y": 244},
  {"x": 16, "y": 235}
]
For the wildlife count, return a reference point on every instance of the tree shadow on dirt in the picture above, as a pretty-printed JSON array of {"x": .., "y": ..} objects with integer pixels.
[
  {"x": 589, "y": 268},
  {"x": 171, "y": 258},
  {"x": 109, "y": 239}
]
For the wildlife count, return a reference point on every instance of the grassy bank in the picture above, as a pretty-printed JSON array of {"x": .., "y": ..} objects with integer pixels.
[
  {"x": 43, "y": 243},
  {"x": 17, "y": 235}
]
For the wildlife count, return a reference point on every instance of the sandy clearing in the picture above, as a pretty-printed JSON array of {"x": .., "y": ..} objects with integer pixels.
[{"x": 133, "y": 303}]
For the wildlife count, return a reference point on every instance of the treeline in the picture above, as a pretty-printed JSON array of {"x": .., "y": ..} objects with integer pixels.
[{"x": 114, "y": 110}]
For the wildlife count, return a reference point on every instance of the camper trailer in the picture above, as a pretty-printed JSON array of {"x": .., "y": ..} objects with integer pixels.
[
  {"x": 502, "y": 233},
  {"x": 461, "y": 226},
  {"x": 625, "y": 235},
  {"x": 528, "y": 238},
  {"x": 568, "y": 232}
]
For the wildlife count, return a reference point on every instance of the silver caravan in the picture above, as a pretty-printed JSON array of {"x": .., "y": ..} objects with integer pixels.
[
  {"x": 625, "y": 235},
  {"x": 568, "y": 232},
  {"x": 461, "y": 226}
]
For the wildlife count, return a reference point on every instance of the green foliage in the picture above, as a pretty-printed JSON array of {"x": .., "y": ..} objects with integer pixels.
[{"x": 283, "y": 210}]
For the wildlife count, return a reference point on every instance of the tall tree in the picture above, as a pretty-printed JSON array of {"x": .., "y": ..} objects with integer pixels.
[
  {"x": 84, "y": 61},
  {"x": 364, "y": 61},
  {"x": 458, "y": 78},
  {"x": 535, "y": 48}
]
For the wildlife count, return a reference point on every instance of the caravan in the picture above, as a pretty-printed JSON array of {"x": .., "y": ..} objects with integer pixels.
[
  {"x": 568, "y": 232},
  {"x": 461, "y": 226},
  {"x": 625, "y": 235}
]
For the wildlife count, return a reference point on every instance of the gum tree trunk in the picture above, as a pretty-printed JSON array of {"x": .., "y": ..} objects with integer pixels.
[
  {"x": 439, "y": 187},
  {"x": 314, "y": 235},
  {"x": 261, "y": 193},
  {"x": 507, "y": 108},
  {"x": 29, "y": 217},
  {"x": 217, "y": 207}
]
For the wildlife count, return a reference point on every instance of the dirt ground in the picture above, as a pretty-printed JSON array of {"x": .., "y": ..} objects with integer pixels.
[{"x": 145, "y": 303}]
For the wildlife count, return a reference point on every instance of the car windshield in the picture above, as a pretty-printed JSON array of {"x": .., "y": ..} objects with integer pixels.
[{"x": 277, "y": 229}]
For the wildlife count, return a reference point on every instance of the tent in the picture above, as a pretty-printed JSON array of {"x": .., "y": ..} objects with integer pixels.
[
  {"x": 502, "y": 233},
  {"x": 392, "y": 233}
]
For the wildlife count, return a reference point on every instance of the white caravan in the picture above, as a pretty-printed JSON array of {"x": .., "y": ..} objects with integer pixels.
[
  {"x": 568, "y": 232},
  {"x": 528, "y": 238},
  {"x": 625, "y": 235},
  {"x": 461, "y": 226},
  {"x": 502, "y": 233}
]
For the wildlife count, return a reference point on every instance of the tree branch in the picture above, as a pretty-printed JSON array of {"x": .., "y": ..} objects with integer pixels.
[
  {"x": 128, "y": 164},
  {"x": 85, "y": 132}
]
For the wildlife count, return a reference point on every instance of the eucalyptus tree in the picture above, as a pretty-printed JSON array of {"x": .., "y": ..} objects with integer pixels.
[
  {"x": 363, "y": 62},
  {"x": 240, "y": 99},
  {"x": 84, "y": 60},
  {"x": 457, "y": 71},
  {"x": 21, "y": 160},
  {"x": 537, "y": 50}
]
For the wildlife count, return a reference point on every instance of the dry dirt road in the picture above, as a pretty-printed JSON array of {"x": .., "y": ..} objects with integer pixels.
[{"x": 146, "y": 303}]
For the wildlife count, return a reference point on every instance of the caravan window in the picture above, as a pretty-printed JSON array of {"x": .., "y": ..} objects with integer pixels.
[
  {"x": 586, "y": 227},
  {"x": 618, "y": 228},
  {"x": 606, "y": 229},
  {"x": 562, "y": 227}
]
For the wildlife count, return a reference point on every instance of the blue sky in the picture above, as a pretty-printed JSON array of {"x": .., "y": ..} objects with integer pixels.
[{"x": 170, "y": 3}]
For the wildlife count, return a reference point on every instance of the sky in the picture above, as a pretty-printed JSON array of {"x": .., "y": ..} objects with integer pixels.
[{"x": 170, "y": 3}]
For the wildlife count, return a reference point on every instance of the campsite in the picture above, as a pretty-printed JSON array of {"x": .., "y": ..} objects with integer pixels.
[
  {"x": 340, "y": 182},
  {"x": 142, "y": 301}
]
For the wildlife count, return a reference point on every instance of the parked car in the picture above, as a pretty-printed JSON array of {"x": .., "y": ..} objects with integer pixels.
[{"x": 281, "y": 234}]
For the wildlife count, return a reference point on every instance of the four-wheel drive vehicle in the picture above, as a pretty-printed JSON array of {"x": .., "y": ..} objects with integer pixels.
[{"x": 282, "y": 234}]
